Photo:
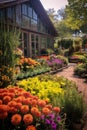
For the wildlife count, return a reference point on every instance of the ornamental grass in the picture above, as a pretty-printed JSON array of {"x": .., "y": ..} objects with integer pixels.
[{"x": 22, "y": 110}]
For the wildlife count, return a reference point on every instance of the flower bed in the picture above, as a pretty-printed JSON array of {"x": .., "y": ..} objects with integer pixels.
[{"x": 22, "y": 110}]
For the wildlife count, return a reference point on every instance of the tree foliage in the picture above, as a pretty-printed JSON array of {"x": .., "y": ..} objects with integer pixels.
[
  {"x": 76, "y": 13},
  {"x": 58, "y": 19}
]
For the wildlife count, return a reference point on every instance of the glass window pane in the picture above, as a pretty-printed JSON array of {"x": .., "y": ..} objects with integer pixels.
[
  {"x": 24, "y": 9},
  {"x": 25, "y": 22},
  {"x": 33, "y": 24},
  {"x": 18, "y": 14},
  {"x": 29, "y": 11},
  {"x": 34, "y": 15},
  {"x": 2, "y": 14},
  {"x": 10, "y": 14}
]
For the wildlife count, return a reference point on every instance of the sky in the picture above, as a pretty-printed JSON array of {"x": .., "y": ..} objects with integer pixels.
[{"x": 56, "y": 4}]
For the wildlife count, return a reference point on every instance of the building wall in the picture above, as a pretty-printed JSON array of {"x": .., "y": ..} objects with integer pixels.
[{"x": 34, "y": 34}]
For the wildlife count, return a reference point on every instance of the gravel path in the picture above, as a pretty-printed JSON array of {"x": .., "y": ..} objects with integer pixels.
[{"x": 80, "y": 82}]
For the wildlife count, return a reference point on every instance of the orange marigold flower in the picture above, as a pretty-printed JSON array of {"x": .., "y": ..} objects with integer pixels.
[
  {"x": 0, "y": 102},
  {"x": 24, "y": 109},
  {"x": 6, "y": 99},
  {"x": 12, "y": 110},
  {"x": 18, "y": 105},
  {"x": 35, "y": 112},
  {"x": 56, "y": 109},
  {"x": 3, "y": 115},
  {"x": 41, "y": 103},
  {"x": 26, "y": 94},
  {"x": 18, "y": 99},
  {"x": 1, "y": 96},
  {"x": 34, "y": 102},
  {"x": 31, "y": 127},
  {"x": 12, "y": 95},
  {"x": 16, "y": 119},
  {"x": 28, "y": 119},
  {"x": 12, "y": 104},
  {"x": 46, "y": 111},
  {"x": 27, "y": 101},
  {"x": 49, "y": 106},
  {"x": 3, "y": 108},
  {"x": 12, "y": 90}
]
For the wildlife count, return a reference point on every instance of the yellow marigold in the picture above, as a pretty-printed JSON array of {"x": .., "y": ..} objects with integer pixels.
[
  {"x": 31, "y": 127},
  {"x": 16, "y": 119},
  {"x": 28, "y": 119}
]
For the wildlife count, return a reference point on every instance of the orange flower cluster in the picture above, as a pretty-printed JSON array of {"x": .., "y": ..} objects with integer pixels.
[
  {"x": 23, "y": 107},
  {"x": 28, "y": 61},
  {"x": 43, "y": 57}
]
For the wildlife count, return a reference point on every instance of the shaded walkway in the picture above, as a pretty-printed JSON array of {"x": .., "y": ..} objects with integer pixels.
[{"x": 80, "y": 82}]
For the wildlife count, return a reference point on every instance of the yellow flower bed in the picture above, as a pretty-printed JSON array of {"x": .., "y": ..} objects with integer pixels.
[{"x": 43, "y": 89}]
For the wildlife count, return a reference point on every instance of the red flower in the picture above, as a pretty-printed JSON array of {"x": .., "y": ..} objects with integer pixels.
[
  {"x": 16, "y": 119},
  {"x": 31, "y": 127},
  {"x": 3, "y": 108},
  {"x": 0, "y": 102},
  {"x": 35, "y": 112},
  {"x": 56, "y": 109},
  {"x": 28, "y": 119},
  {"x": 6, "y": 99},
  {"x": 12, "y": 110},
  {"x": 41, "y": 103},
  {"x": 24, "y": 109},
  {"x": 46, "y": 111}
]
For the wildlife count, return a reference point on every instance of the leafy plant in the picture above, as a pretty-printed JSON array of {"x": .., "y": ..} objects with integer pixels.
[{"x": 8, "y": 43}]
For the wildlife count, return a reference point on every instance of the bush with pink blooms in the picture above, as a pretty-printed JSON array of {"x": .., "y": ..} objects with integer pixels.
[{"x": 21, "y": 110}]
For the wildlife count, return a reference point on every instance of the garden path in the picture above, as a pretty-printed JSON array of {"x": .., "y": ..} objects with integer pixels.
[{"x": 80, "y": 82}]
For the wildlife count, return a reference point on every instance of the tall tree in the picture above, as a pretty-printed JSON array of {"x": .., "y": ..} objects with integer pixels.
[{"x": 76, "y": 13}]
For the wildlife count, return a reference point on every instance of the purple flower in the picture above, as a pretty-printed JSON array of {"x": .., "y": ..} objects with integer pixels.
[
  {"x": 47, "y": 121},
  {"x": 51, "y": 116},
  {"x": 54, "y": 125},
  {"x": 42, "y": 117},
  {"x": 58, "y": 118}
]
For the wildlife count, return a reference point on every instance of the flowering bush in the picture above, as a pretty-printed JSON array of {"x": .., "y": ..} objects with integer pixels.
[
  {"x": 26, "y": 63},
  {"x": 22, "y": 110},
  {"x": 56, "y": 62}
]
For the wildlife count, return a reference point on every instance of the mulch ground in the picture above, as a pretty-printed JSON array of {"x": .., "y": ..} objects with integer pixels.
[{"x": 80, "y": 82}]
